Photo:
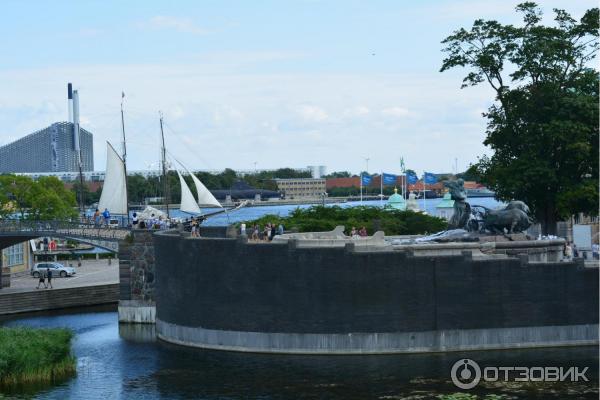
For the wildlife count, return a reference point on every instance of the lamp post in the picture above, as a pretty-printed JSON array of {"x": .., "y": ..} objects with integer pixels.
[{"x": 323, "y": 197}]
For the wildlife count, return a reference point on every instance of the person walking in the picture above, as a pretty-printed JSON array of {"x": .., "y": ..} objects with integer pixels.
[
  {"x": 97, "y": 218},
  {"x": 106, "y": 216},
  {"x": 134, "y": 220},
  {"x": 49, "y": 275},
  {"x": 568, "y": 251},
  {"x": 42, "y": 279}
]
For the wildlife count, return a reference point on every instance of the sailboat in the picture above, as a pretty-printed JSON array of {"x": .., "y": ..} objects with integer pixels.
[
  {"x": 114, "y": 190},
  {"x": 188, "y": 203}
]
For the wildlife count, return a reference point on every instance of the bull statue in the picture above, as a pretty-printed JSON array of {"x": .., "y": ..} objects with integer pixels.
[{"x": 511, "y": 219}]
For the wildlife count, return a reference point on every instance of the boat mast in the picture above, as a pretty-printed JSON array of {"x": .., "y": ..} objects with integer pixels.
[
  {"x": 124, "y": 155},
  {"x": 164, "y": 166}
]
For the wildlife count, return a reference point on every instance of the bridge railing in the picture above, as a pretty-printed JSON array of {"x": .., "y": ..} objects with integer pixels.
[{"x": 64, "y": 228}]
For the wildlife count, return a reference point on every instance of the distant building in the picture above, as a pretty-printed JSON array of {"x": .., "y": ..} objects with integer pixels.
[
  {"x": 301, "y": 187},
  {"x": 353, "y": 181},
  {"x": 48, "y": 150},
  {"x": 17, "y": 258},
  {"x": 317, "y": 171}
]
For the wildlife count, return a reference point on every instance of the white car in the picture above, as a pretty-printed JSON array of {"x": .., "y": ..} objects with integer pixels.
[{"x": 57, "y": 269}]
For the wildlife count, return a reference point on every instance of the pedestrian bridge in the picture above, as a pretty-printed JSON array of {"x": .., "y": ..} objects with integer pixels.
[{"x": 13, "y": 231}]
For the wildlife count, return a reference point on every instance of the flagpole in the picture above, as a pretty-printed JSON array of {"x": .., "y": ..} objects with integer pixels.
[
  {"x": 361, "y": 184},
  {"x": 381, "y": 189},
  {"x": 424, "y": 192},
  {"x": 361, "y": 187}
]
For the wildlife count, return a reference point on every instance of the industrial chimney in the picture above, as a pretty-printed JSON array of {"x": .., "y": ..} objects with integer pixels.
[
  {"x": 75, "y": 101},
  {"x": 70, "y": 100}
]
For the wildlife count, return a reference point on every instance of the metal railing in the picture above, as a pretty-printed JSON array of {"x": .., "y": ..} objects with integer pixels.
[{"x": 62, "y": 228}]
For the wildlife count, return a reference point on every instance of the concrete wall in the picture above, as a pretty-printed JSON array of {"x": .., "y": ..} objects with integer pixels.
[
  {"x": 39, "y": 300},
  {"x": 226, "y": 293}
]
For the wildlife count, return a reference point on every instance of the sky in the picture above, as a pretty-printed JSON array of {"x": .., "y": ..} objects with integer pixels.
[{"x": 253, "y": 83}]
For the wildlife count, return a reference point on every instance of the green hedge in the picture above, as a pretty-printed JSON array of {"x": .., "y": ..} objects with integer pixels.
[
  {"x": 391, "y": 221},
  {"x": 29, "y": 355}
]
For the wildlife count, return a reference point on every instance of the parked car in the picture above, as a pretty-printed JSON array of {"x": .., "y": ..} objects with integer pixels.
[{"x": 57, "y": 269}]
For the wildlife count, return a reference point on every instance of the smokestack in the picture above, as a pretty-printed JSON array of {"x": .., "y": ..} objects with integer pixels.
[
  {"x": 75, "y": 101},
  {"x": 70, "y": 101}
]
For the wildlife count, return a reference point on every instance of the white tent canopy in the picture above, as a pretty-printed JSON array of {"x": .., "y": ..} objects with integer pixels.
[{"x": 151, "y": 213}]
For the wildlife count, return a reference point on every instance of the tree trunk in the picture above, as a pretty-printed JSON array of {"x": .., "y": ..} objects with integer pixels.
[{"x": 548, "y": 220}]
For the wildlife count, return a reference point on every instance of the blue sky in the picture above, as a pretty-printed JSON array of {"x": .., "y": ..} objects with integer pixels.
[{"x": 280, "y": 83}]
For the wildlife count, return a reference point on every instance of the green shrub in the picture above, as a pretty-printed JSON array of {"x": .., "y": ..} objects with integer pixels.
[
  {"x": 391, "y": 221},
  {"x": 35, "y": 355}
]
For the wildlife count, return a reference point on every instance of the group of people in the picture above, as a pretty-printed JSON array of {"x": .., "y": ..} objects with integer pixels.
[
  {"x": 268, "y": 233},
  {"x": 358, "y": 233},
  {"x": 151, "y": 223},
  {"x": 98, "y": 218},
  {"x": 45, "y": 275}
]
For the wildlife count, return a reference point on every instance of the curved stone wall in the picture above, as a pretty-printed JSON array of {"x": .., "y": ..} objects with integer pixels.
[{"x": 228, "y": 294}]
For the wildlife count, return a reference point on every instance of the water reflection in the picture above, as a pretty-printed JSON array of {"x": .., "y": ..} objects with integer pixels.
[{"x": 126, "y": 362}]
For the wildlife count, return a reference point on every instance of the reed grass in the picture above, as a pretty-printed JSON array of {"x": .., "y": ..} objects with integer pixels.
[{"x": 31, "y": 355}]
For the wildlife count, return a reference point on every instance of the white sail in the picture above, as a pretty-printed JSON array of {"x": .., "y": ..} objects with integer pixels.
[
  {"x": 205, "y": 197},
  {"x": 114, "y": 190},
  {"x": 188, "y": 203}
]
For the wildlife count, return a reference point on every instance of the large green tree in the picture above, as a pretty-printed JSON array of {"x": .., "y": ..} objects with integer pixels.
[
  {"x": 44, "y": 199},
  {"x": 543, "y": 125}
]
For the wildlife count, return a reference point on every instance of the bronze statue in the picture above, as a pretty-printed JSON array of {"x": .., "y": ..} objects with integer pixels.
[
  {"x": 511, "y": 219},
  {"x": 462, "y": 209}
]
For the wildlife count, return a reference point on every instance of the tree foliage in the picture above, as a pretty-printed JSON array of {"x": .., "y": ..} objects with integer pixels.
[
  {"x": 44, "y": 199},
  {"x": 391, "y": 221},
  {"x": 543, "y": 126}
]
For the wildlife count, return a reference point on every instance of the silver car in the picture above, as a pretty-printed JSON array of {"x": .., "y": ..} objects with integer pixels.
[{"x": 56, "y": 268}]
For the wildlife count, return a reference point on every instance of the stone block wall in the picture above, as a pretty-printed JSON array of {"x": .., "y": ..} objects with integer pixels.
[
  {"x": 136, "y": 267},
  {"x": 229, "y": 294}
]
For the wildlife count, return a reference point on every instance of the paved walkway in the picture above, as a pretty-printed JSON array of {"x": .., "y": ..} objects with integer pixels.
[{"x": 91, "y": 272}]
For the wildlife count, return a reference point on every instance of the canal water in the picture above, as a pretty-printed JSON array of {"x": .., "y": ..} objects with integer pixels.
[
  {"x": 250, "y": 213},
  {"x": 126, "y": 362}
]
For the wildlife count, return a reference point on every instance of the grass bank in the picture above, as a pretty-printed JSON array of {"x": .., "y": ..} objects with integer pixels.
[
  {"x": 29, "y": 355},
  {"x": 391, "y": 221}
]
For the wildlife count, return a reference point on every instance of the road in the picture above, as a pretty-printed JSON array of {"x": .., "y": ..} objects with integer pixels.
[{"x": 91, "y": 272}]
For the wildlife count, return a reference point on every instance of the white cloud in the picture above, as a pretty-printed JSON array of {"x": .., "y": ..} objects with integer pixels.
[
  {"x": 179, "y": 24},
  {"x": 312, "y": 113},
  {"x": 176, "y": 112},
  {"x": 396, "y": 112},
  {"x": 358, "y": 111},
  {"x": 216, "y": 119}
]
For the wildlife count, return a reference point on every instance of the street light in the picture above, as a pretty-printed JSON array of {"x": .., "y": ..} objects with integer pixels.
[{"x": 323, "y": 197}]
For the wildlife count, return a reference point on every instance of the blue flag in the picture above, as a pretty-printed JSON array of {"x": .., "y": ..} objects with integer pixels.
[
  {"x": 389, "y": 179},
  {"x": 412, "y": 178},
  {"x": 366, "y": 179},
  {"x": 429, "y": 178}
]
